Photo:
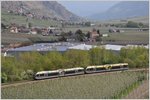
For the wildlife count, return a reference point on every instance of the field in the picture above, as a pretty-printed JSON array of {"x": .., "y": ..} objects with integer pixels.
[
  {"x": 143, "y": 19},
  {"x": 129, "y": 35},
  {"x": 8, "y": 37},
  {"x": 94, "y": 86}
]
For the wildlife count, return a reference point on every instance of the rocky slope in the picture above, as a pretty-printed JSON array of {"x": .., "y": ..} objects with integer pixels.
[
  {"x": 124, "y": 9},
  {"x": 51, "y": 9}
]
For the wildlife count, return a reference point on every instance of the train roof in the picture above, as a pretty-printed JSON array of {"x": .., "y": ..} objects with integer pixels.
[
  {"x": 99, "y": 66},
  {"x": 73, "y": 68},
  {"x": 77, "y": 68},
  {"x": 41, "y": 72},
  {"x": 119, "y": 64}
]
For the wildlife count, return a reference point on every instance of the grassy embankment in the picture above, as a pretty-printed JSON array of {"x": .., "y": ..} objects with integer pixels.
[{"x": 79, "y": 87}]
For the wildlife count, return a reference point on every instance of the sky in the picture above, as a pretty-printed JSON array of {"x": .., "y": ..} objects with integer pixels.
[{"x": 87, "y": 8}]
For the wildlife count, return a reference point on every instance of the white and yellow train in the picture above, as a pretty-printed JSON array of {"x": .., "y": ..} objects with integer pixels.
[{"x": 80, "y": 70}]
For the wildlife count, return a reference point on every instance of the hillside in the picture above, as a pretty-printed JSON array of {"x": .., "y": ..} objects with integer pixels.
[
  {"x": 50, "y": 9},
  {"x": 123, "y": 10}
]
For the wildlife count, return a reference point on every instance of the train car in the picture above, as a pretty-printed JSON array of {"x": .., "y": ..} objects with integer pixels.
[
  {"x": 119, "y": 67},
  {"x": 46, "y": 74},
  {"x": 94, "y": 69},
  {"x": 58, "y": 73},
  {"x": 73, "y": 71},
  {"x": 106, "y": 68}
]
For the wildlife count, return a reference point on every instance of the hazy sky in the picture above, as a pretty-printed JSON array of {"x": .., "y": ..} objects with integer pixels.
[{"x": 86, "y": 8}]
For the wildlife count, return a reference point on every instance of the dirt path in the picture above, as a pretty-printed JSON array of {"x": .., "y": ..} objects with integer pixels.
[{"x": 141, "y": 92}]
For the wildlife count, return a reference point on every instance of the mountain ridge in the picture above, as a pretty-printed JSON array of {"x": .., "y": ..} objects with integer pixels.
[
  {"x": 123, "y": 10},
  {"x": 50, "y": 9}
]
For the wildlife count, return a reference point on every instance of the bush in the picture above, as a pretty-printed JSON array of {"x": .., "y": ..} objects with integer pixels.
[{"x": 4, "y": 77}]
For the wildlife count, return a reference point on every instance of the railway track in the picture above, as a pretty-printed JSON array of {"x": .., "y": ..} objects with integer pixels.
[{"x": 33, "y": 81}]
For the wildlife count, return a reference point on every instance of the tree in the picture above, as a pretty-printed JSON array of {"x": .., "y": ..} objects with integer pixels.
[
  {"x": 88, "y": 34},
  {"x": 4, "y": 77},
  {"x": 3, "y": 26},
  {"x": 77, "y": 58},
  {"x": 135, "y": 56},
  {"x": 87, "y": 23},
  {"x": 141, "y": 25},
  {"x": 96, "y": 56},
  {"x": 79, "y": 35},
  {"x": 132, "y": 24},
  {"x": 110, "y": 57},
  {"x": 29, "y": 25}
]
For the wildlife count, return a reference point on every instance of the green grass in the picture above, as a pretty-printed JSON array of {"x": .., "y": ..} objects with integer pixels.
[
  {"x": 8, "y": 37},
  {"x": 80, "y": 87},
  {"x": 143, "y": 19},
  {"x": 128, "y": 36}
]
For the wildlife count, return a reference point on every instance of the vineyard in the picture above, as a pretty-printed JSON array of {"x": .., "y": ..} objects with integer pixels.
[{"x": 98, "y": 86}]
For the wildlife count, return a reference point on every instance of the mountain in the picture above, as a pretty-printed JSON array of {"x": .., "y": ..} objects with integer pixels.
[
  {"x": 123, "y": 10},
  {"x": 50, "y": 9}
]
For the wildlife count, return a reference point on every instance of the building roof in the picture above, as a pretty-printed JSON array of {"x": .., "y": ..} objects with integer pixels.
[
  {"x": 113, "y": 47},
  {"x": 82, "y": 47}
]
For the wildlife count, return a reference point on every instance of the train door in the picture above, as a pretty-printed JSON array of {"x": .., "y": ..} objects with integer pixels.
[{"x": 61, "y": 72}]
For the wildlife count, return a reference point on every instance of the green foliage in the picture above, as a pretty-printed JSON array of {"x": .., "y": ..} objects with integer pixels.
[
  {"x": 26, "y": 64},
  {"x": 4, "y": 77},
  {"x": 135, "y": 56},
  {"x": 87, "y": 23},
  {"x": 132, "y": 24},
  {"x": 96, "y": 56},
  {"x": 80, "y": 35},
  {"x": 30, "y": 25},
  {"x": 77, "y": 58}
]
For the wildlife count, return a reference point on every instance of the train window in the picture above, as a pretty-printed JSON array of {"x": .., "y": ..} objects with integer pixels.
[
  {"x": 53, "y": 74},
  {"x": 70, "y": 72},
  {"x": 37, "y": 75},
  {"x": 80, "y": 70},
  {"x": 125, "y": 66},
  {"x": 90, "y": 69},
  {"x": 41, "y": 74},
  {"x": 101, "y": 68},
  {"x": 115, "y": 67}
]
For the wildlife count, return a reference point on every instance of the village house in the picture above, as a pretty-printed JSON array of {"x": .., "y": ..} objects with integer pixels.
[
  {"x": 93, "y": 35},
  {"x": 105, "y": 35},
  {"x": 33, "y": 31},
  {"x": 14, "y": 29}
]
